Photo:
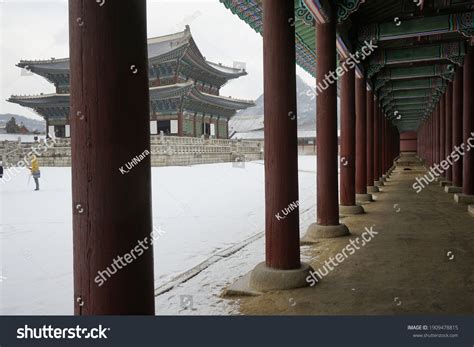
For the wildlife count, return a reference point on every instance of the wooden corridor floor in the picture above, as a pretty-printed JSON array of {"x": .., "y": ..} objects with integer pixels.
[{"x": 407, "y": 268}]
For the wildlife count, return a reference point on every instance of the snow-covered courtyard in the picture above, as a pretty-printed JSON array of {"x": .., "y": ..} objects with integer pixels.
[{"x": 206, "y": 212}]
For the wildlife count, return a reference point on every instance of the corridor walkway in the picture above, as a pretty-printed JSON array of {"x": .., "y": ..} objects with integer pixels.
[{"x": 419, "y": 262}]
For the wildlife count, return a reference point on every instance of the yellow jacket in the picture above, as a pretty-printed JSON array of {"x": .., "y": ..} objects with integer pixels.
[{"x": 34, "y": 165}]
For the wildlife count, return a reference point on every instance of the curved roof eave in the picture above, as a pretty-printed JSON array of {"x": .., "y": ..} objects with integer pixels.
[{"x": 221, "y": 101}]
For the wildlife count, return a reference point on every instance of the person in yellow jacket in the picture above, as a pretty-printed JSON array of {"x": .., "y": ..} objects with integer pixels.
[{"x": 35, "y": 171}]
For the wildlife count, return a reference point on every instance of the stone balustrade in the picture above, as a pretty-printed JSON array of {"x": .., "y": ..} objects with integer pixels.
[{"x": 165, "y": 151}]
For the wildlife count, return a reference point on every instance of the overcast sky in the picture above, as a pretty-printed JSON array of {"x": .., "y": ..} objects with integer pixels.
[{"x": 38, "y": 29}]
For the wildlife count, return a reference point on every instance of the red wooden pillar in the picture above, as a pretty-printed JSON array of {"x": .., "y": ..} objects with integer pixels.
[
  {"x": 436, "y": 134},
  {"x": 348, "y": 130},
  {"x": 433, "y": 135},
  {"x": 361, "y": 141},
  {"x": 371, "y": 188},
  {"x": 387, "y": 145},
  {"x": 433, "y": 153},
  {"x": 442, "y": 130},
  {"x": 430, "y": 130},
  {"x": 420, "y": 136},
  {"x": 449, "y": 128},
  {"x": 282, "y": 241},
  {"x": 424, "y": 134},
  {"x": 383, "y": 144},
  {"x": 457, "y": 123},
  {"x": 468, "y": 126},
  {"x": 390, "y": 146},
  {"x": 428, "y": 142},
  {"x": 326, "y": 133},
  {"x": 327, "y": 166},
  {"x": 281, "y": 156},
  {"x": 112, "y": 211},
  {"x": 348, "y": 160},
  {"x": 377, "y": 144}
]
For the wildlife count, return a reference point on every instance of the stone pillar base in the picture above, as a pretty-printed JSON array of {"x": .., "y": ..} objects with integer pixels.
[
  {"x": 445, "y": 183},
  {"x": 265, "y": 279},
  {"x": 364, "y": 198},
  {"x": 464, "y": 198},
  {"x": 350, "y": 210},
  {"x": 384, "y": 178},
  {"x": 373, "y": 189},
  {"x": 470, "y": 209},
  {"x": 316, "y": 232},
  {"x": 378, "y": 183},
  {"x": 452, "y": 189},
  {"x": 440, "y": 179}
]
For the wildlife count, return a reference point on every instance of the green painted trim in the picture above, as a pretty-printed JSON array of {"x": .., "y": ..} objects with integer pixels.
[
  {"x": 462, "y": 23},
  {"x": 445, "y": 71}
]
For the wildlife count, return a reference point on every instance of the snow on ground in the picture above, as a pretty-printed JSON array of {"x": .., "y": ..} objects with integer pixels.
[{"x": 203, "y": 209}]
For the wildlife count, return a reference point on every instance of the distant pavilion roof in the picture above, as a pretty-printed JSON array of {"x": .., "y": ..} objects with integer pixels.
[
  {"x": 160, "y": 49},
  {"x": 187, "y": 90}
]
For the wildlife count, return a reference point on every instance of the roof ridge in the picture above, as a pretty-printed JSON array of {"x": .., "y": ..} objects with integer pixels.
[
  {"x": 185, "y": 34},
  {"x": 51, "y": 60},
  {"x": 228, "y": 98},
  {"x": 32, "y": 96}
]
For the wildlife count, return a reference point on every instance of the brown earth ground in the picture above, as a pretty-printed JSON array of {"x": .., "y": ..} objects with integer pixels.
[{"x": 405, "y": 269}]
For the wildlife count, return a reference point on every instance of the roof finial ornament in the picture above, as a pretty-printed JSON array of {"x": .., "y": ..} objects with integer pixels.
[{"x": 186, "y": 28}]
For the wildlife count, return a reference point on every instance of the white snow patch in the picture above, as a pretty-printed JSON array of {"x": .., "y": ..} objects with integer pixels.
[{"x": 204, "y": 209}]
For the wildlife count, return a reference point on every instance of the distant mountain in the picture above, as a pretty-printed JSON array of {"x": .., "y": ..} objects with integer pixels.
[
  {"x": 30, "y": 124},
  {"x": 252, "y": 118}
]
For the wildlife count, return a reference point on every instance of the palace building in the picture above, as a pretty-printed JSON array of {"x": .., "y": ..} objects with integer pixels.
[{"x": 184, "y": 90}]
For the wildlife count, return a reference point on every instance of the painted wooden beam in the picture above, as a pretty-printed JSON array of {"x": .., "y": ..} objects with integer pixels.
[
  {"x": 408, "y": 94},
  {"x": 408, "y": 107},
  {"x": 414, "y": 101},
  {"x": 462, "y": 23},
  {"x": 445, "y": 71},
  {"x": 426, "y": 83},
  {"x": 450, "y": 51},
  {"x": 320, "y": 8},
  {"x": 419, "y": 100}
]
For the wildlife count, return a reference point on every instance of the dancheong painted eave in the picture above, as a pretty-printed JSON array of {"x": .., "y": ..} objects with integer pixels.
[
  {"x": 161, "y": 50},
  {"x": 186, "y": 91}
]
